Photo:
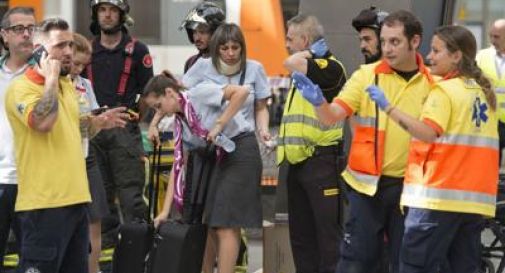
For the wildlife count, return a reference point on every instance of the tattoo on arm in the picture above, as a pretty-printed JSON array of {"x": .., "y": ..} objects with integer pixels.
[{"x": 47, "y": 105}]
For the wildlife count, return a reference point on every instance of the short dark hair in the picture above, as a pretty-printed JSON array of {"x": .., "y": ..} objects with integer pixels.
[
  {"x": 15, "y": 10},
  {"x": 411, "y": 24},
  {"x": 227, "y": 32},
  {"x": 51, "y": 24}
]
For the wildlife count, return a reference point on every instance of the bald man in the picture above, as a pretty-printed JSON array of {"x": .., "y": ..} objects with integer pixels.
[{"x": 492, "y": 62}]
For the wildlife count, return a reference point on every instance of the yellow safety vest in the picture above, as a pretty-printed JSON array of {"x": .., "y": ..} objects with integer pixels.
[
  {"x": 301, "y": 131},
  {"x": 486, "y": 62}
]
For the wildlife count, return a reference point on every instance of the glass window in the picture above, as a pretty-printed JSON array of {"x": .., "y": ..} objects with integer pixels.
[{"x": 478, "y": 15}]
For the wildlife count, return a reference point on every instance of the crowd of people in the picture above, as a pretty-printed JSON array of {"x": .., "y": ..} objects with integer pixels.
[{"x": 71, "y": 141}]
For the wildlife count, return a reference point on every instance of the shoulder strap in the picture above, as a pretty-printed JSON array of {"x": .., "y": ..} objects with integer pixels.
[
  {"x": 89, "y": 68},
  {"x": 123, "y": 80},
  {"x": 242, "y": 76},
  {"x": 376, "y": 129},
  {"x": 89, "y": 73},
  {"x": 125, "y": 75}
]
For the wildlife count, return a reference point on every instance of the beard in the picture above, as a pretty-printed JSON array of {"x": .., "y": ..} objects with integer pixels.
[
  {"x": 111, "y": 30},
  {"x": 372, "y": 58}
]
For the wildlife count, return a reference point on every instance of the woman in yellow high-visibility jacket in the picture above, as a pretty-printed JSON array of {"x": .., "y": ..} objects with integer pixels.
[{"x": 451, "y": 178}]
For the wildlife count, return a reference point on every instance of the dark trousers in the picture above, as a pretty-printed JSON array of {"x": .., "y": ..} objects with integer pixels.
[
  {"x": 8, "y": 219},
  {"x": 54, "y": 240},
  {"x": 435, "y": 237},
  {"x": 371, "y": 219},
  {"x": 119, "y": 156},
  {"x": 313, "y": 211},
  {"x": 501, "y": 136}
]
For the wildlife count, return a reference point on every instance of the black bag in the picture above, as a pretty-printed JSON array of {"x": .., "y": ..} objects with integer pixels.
[
  {"x": 179, "y": 245},
  {"x": 136, "y": 237}
]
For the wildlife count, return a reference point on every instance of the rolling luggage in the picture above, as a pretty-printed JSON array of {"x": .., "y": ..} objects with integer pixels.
[
  {"x": 179, "y": 245},
  {"x": 135, "y": 238}
]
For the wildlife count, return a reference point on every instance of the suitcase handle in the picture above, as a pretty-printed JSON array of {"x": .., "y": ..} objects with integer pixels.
[{"x": 154, "y": 171}]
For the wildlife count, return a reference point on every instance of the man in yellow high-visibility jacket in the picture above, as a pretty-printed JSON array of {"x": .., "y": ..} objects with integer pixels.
[
  {"x": 379, "y": 149},
  {"x": 492, "y": 62},
  {"x": 309, "y": 150}
]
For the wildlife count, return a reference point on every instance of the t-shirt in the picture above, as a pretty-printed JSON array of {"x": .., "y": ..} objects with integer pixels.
[
  {"x": 51, "y": 167},
  {"x": 7, "y": 159}
]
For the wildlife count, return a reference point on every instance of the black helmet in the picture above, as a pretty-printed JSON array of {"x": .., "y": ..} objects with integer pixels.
[
  {"x": 207, "y": 13},
  {"x": 122, "y": 5},
  {"x": 371, "y": 18}
]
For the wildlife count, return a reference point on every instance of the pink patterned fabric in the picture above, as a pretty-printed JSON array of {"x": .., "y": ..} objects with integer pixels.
[{"x": 188, "y": 113}]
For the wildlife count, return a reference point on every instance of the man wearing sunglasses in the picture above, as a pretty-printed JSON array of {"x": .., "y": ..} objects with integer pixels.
[{"x": 17, "y": 25}]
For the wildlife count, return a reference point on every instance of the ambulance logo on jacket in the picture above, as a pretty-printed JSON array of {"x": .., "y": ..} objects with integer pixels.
[
  {"x": 21, "y": 108},
  {"x": 479, "y": 112}
]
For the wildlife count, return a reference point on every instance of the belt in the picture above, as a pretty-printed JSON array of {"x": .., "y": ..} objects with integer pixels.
[
  {"x": 242, "y": 135},
  {"x": 324, "y": 150},
  {"x": 388, "y": 181}
]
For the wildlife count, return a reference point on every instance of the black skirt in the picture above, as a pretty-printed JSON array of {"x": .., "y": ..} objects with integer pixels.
[{"x": 234, "y": 196}]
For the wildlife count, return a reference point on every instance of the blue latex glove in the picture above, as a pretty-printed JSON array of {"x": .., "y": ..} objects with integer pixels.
[
  {"x": 308, "y": 89},
  {"x": 319, "y": 48},
  {"x": 377, "y": 95}
]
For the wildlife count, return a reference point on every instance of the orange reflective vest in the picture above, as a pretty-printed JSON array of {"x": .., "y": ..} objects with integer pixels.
[
  {"x": 459, "y": 171},
  {"x": 379, "y": 145}
]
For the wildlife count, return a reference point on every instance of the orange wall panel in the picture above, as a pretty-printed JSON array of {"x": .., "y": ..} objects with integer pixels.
[
  {"x": 263, "y": 27},
  {"x": 38, "y": 5}
]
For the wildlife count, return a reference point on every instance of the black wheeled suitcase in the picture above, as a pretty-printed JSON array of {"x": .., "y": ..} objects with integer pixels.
[
  {"x": 136, "y": 238},
  {"x": 134, "y": 243},
  {"x": 179, "y": 246}
]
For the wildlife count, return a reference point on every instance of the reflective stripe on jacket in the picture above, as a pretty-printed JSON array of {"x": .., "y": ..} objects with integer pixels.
[
  {"x": 459, "y": 171},
  {"x": 380, "y": 149},
  {"x": 486, "y": 61},
  {"x": 301, "y": 131}
]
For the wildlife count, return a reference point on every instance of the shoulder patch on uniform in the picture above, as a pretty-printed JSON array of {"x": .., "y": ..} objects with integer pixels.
[
  {"x": 21, "y": 107},
  {"x": 322, "y": 63},
  {"x": 147, "y": 61}
]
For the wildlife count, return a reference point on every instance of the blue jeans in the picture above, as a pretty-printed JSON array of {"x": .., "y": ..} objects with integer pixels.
[
  {"x": 8, "y": 220},
  {"x": 434, "y": 237}
]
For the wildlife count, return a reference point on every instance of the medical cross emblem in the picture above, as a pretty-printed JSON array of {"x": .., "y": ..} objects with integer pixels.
[{"x": 479, "y": 112}]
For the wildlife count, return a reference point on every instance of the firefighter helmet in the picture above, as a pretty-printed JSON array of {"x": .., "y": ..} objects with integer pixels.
[
  {"x": 371, "y": 18},
  {"x": 207, "y": 13},
  {"x": 122, "y": 5}
]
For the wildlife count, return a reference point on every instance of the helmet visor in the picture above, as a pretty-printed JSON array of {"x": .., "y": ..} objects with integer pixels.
[{"x": 192, "y": 20}]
